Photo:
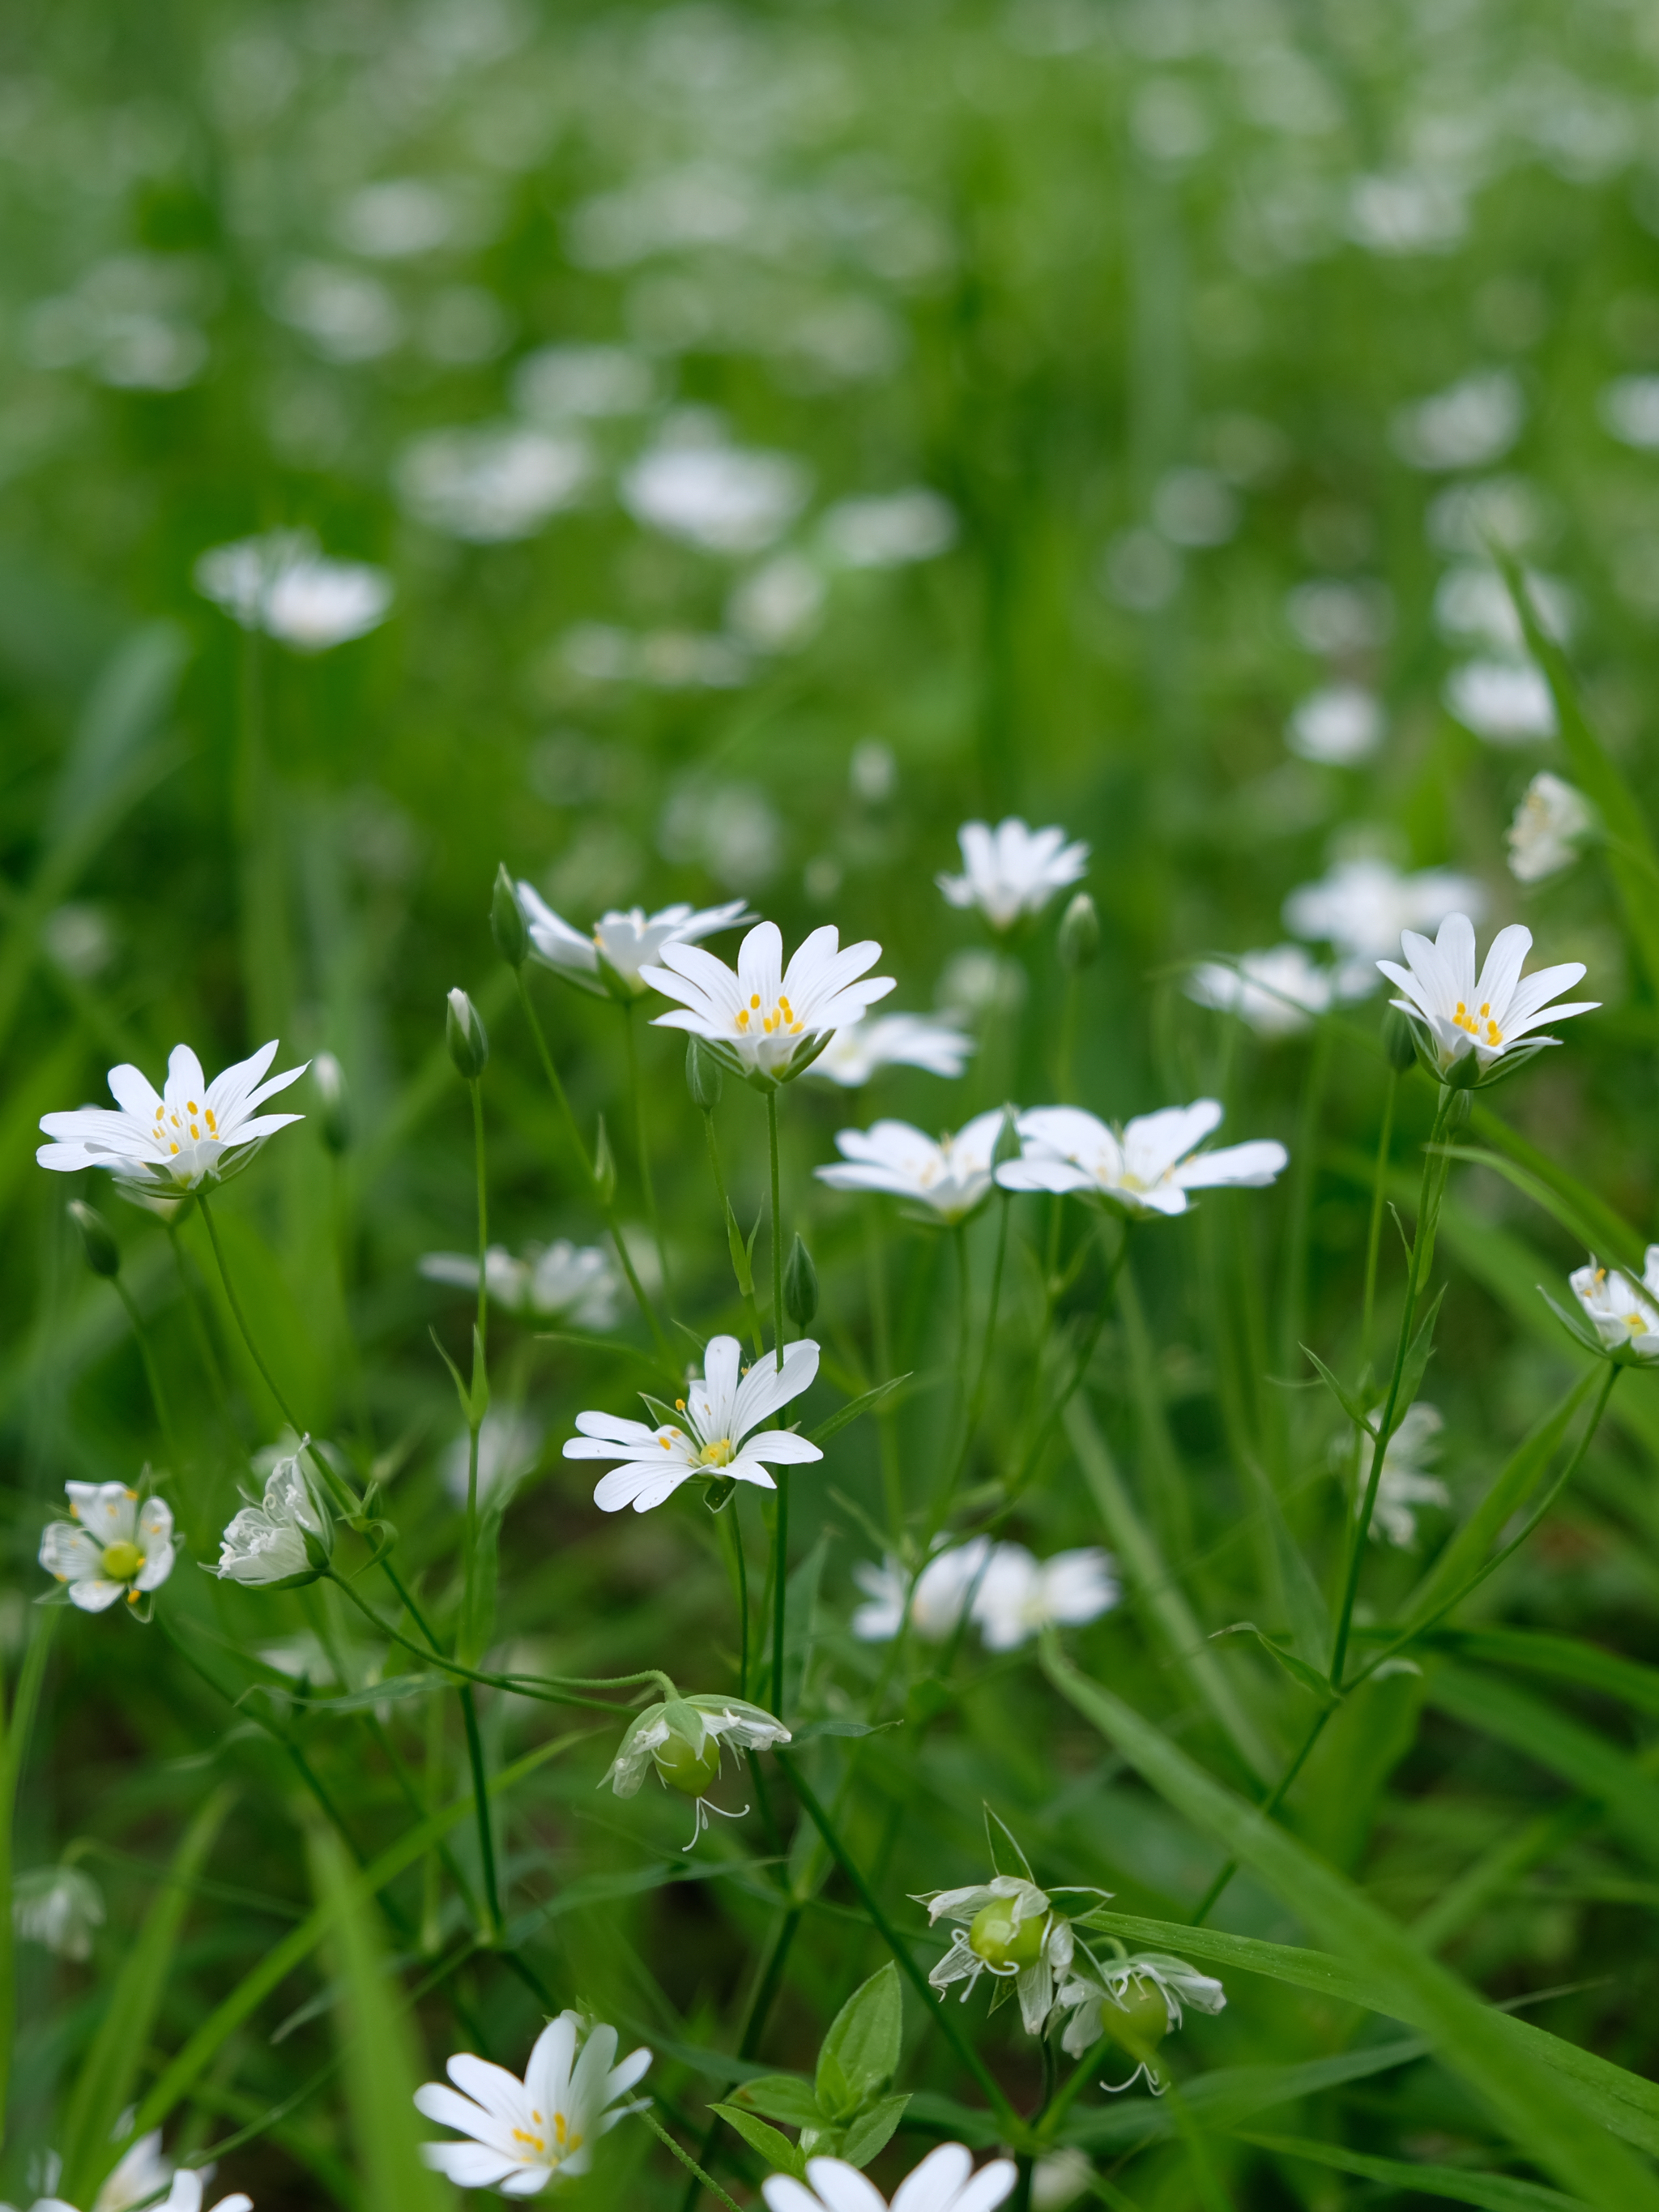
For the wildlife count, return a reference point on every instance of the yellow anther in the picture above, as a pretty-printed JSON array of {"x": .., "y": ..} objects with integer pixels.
[
  {"x": 194, "y": 1131},
  {"x": 753, "y": 999},
  {"x": 190, "y": 1107},
  {"x": 212, "y": 1124},
  {"x": 679, "y": 1405},
  {"x": 742, "y": 1019},
  {"x": 173, "y": 1148}
]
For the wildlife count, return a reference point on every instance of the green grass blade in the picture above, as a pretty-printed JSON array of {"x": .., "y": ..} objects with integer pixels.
[
  {"x": 1564, "y": 1658},
  {"x": 1222, "y": 2099},
  {"x": 15, "y": 1728},
  {"x": 1487, "y": 2193},
  {"x": 1609, "y": 1234}
]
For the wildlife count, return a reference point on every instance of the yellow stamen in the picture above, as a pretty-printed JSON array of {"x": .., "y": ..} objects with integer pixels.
[
  {"x": 753, "y": 999},
  {"x": 742, "y": 1019}
]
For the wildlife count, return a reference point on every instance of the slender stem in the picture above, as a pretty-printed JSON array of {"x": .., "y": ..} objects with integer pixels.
[
  {"x": 210, "y": 1358},
  {"x": 760, "y": 2004},
  {"x": 555, "y": 1085},
  {"x": 1067, "y": 1034},
  {"x": 892, "y": 1482},
  {"x": 741, "y": 1567},
  {"x": 642, "y": 1143},
  {"x": 777, "y": 1229},
  {"x": 481, "y": 1806},
  {"x": 981, "y": 1379},
  {"x": 1374, "y": 1240},
  {"x": 746, "y": 1290},
  {"x": 152, "y": 1374},
  {"x": 686, "y": 2159},
  {"x": 780, "y": 1527},
  {"x": 15, "y": 1728},
  {"x": 241, "y": 1318},
  {"x": 474, "y": 1417},
  {"x": 476, "y": 1089}
]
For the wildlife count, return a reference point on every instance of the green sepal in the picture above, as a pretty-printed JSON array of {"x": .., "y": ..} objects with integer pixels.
[{"x": 1583, "y": 1334}]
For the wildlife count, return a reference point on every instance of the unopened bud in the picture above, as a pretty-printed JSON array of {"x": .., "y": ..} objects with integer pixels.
[
  {"x": 1079, "y": 944},
  {"x": 334, "y": 1122},
  {"x": 800, "y": 1286},
  {"x": 1399, "y": 1040},
  {"x": 97, "y": 1239},
  {"x": 506, "y": 922},
  {"x": 605, "y": 1168},
  {"x": 703, "y": 1078},
  {"x": 469, "y": 1047},
  {"x": 996, "y": 1936},
  {"x": 1459, "y": 1110}
]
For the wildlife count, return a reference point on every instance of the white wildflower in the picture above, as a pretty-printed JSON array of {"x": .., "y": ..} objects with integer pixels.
[
  {"x": 1468, "y": 426},
  {"x": 1137, "y": 2002},
  {"x": 510, "y": 1445},
  {"x": 937, "y": 1597},
  {"x": 1341, "y": 725},
  {"x": 1019, "y": 1595},
  {"x": 1405, "y": 1483},
  {"x": 282, "y": 585},
  {"x": 1549, "y": 828},
  {"x": 1149, "y": 1167},
  {"x": 889, "y": 531},
  {"x": 1458, "y": 1016},
  {"x": 856, "y": 1052},
  {"x": 1361, "y": 906},
  {"x": 950, "y": 1177},
  {"x": 58, "y": 1906},
  {"x": 493, "y": 482},
  {"x": 766, "y": 1022},
  {"x": 115, "y": 1545},
  {"x": 1012, "y": 869},
  {"x": 945, "y": 2182},
  {"x": 561, "y": 1281},
  {"x": 1060, "y": 2179},
  {"x": 717, "y": 497},
  {"x": 613, "y": 955},
  {"x": 1507, "y": 703},
  {"x": 267, "y": 1544},
  {"x": 522, "y": 2135},
  {"x": 1624, "y": 1314},
  {"x": 1630, "y": 408},
  {"x": 1278, "y": 992},
  {"x": 193, "y": 1132}
]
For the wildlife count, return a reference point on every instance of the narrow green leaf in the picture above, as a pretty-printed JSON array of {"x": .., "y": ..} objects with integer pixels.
[
  {"x": 871, "y": 2131},
  {"x": 1612, "y": 1241},
  {"x": 1361, "y": 1416},
  {"x": 1609, "y": 1232},
  {"x": 1304, "y": 1676},
  {"x": 399, "y": 1689},
  {"x": 864, "y": 2035},
  {"x": 1565, "y": 1659},
  {"x": 865, "y": 1404},
  {"x": 777, "y": 2149},
  {"x": 1487, "y": 2193},
  {"x": 1417, "y": 1360},
  {"x": 1222, "y": 2099}
]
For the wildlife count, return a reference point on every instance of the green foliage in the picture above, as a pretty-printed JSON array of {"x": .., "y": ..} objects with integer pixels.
[{"x": 844, "y": 2111}]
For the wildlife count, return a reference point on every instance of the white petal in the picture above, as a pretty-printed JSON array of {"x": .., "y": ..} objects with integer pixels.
[
  {"x": 842, "y": 2188},
  {"x": 936, "y": 2181}
]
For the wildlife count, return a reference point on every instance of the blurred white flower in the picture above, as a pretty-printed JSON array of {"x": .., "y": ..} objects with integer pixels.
[
  {"x": 1624, "y": 1314},
  {"x": 1549, "y": 828},
  {"x": 58, "y": 1906},
  {"x": 1403, "y": 213},
  {"x": 777, "y": 605},
  {"x": 1629, "y": 406},
  {"x": 510, "y": 1445},
  {"x": 79, "y": 938},
  {"x": 732, "y": 828},
  {"x": 1060, "y": 2179},
  {"x": 979, "y": 985},
  {"x": 189, "y": 2186},
  {"x": 937, "y": 1602},
  {"x": 944, "y": 2182},
  {"x": 854, "y": 1054},
  {"x": 128, "y": 321},
  {"x": 264, "y": 1544},
  {"x": 194, "y": 1133},
  {"x": 281, "y": 584},
  {"x": 614, "y": 954},
  {"x": 113, "y": 1547},
  {"x": 398, "y": 218},
  {"x": 1195, "y": 507},
  {"x": 1012, "y": 869},
  {"x": 1278, "y": 992},
  {"x": 349, "y": 316},
  {"x": 557, "y": 382},
  {"x": 1510, "y": 510},
  {"x": 950, "y": 1175},
  {"x": 872, "y": 771},
  {"x": 720, "y": 1412},
  {"x": 765, "y": 1021},
  {"x": 141, "y": 2173},
  {"x": 720, "y": 498},
  {"x": 1405, "y": 1483},
  {"x": 1149, "y": 1169},
  {"x": 1140, "y": 570},
  {"x": 1331, "y": 617},
  {"x": 1019, "y": 1595},
  {"x": 492, "y": 482},
  {"x": 1362, "y": 905},
  {"x": 1341, "y": 725},
  {"x": 520, "y": 2136},
  {"x": 1006, "y": 1928},
  {"x": 1472, "y": 604},
  {"x": 560, "y": 1281},
  {"x": 1468, "y": 426},
  {"x": 1507, "y": 703},
  {"x": 888, "y": 530},
  {"x": 1456, "y": 1015}
]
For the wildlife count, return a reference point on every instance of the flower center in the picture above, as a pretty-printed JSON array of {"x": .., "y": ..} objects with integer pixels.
[
  {"x": 718, "y": 1452},
  {"x": 173, "y": 1124},
  {"x": 121, "y": 1561},
  {"x": 1481, "y": 1026},
  {"x": 782, "y": 1017}
]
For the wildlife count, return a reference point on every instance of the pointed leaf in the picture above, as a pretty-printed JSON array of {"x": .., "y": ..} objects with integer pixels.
[
  {"x": 785, "y": 2097},
  {"x": 1487, "y": 2193},
  {"x": 1304, "y": 1676},
  {"x": 1360, "y": 1415},
  {"x": 871, "y": 2131},
  {"x": 777, "y": 2150},
  {"x": 1007, "y": 1856},
  {"x": 864, "y": 2037},
  {"x": 865, "y": 1404}
]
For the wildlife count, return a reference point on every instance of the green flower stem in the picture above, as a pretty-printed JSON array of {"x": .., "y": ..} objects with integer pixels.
[
  {"x": 152, "y": 1373},
  {"x": 777, "y": 1228},
  {"x": 760, "y": 2004},
  {"x": 1270, "y": 1805},
  {"x": 1374, "y": 1239},
  {"x": 780, "y": 1525},
  {"x": 892, "y": 1483},
  {"x": 15, "y": 1728},
  {"x": 751, "y": 1312},
  {"x": 475, "y": 1759},
  {"x": 740, "y": 1568},
  {"x": 700, "y": 2178},
  {"x": 241, "y": 1318},
  {"x": 205, "y": 1352},
  {"x": 641, "y": 1145},
  {"x": 475, "y": 1417},
  {"x": 976, "y": 1407}
]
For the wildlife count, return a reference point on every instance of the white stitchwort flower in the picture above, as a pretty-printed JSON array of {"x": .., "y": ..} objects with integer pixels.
[
  {"x": 265, "y": 1544},
  {"x": 282, "y": 585},
  {"x": 140, "y": 2174},
  {"x": 1007, "y": 1928},
  {"x": 945, "y": 2182},
  {"x": 1458, "y": 1015},
  {"x": 1278, "y": 992},
  {"x": 1405, "y": 1483},
  {"x": 58, "y": 1906},
  {"x": 1340, "y": 725},
  {"x": 722, "y": 499},
  {"x": 561, "y": 1281},
  {"x": 1012, "y": 869},
  {"x": 521, "y": 2135},
  {"x": 194, "y": 1132},
  {"x": 1624, "y": 1314},
  {"x": 719, "y": 1413},
  {"x": 950, "y": 1177},
  {"x": 937, "y": 1597},
  {"x": 1140, "y": 1999},
  {"x": 114, "y": 1546},
  {"x": 611, "y": 956},
  {"x": 686, "y": 1734},
  {"x": 856, "y": 1052},
  {"x": 765, "y": 1021},
  {"x": 1150, "y": 1168},
  {"x": 1019, "y": 1595},
  {"x": 188, "y": 2189},
  {"x": 1507, "y": 703},
  {"x": 1361, "y": 906},
  {"x": 1549, "y": 825}
]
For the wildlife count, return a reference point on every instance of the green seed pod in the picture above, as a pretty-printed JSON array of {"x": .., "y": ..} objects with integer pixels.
[
  {"x": 703, "y": 1078},
  {"x": 685, "y": 1767},
  {"x": 1141, "y": 2021},
  {"x": 506, "y": 922},
  {"x": 334, "y": 1122},
  {"x": 994, "y": 1935},
  {"x": 800, "y": 1286},
  {"x": 97, "y": 1240},
  {"x": 469, "y": 1047},
  {"x": 1078, "y": 943}
]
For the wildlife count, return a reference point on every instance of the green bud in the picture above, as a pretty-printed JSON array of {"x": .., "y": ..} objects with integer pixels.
[
  {"x": 1399, "y": 1040},
  {"x": 1462, "y": 1105},
  {"x": 800, "y": 1286},
  {"x": 605, "y": 1168},
  {"x": 506, "y": 922},
  {"x": 334, "y": 1122},
  {"x": 1141, "y": 2021},
  {"x": 995, "y": 1937},
  {"x": 1078, "y": 943},
  {"x": 97, "y": 1239},
  {"x": 469, "y": 1047},
  {"x": 703, "y": 1078},
  {"x": 686, "y": 1766}
]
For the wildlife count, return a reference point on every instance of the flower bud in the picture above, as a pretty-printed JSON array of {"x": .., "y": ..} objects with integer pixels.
[
  {"x": 334, "y": 1122},
  {"x": 1140, "y": 2020},
  {"x": 996, "y": 1937},
  {"x": 703, "y": 1078},
  {"x": 1399, "y": 1040},
  {"x": 97, "y": 1239},
  {"x": 506, "y": 922},
  {"x": 469, "y": 1047},
  {"x": 800, "y": 1286},
  {"x": 1078, "y": 943},
  {"x": 605, "y": 1168},
  {"x": 688, "y": 1767}
]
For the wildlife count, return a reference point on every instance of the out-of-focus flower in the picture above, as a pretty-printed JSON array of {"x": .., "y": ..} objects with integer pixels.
[
  {"x": 936, "y": 1601},
  {"x": 1150, "y": 1168},
  {"x": 979, "y": 985},
  {"x": 561, "y": 1281},
  {"x": 1510, "y": 510},
  {"x": 1012, "y": 869},
  {"x": 777, "y": 606},
  {"x": 1137, "y": 2002},
  {"x": 114, "y": 1546},
  {"x": 1341, "y": 725},
  {"x": 194, "y": 1133},
  {"x": 1473, "y": 604},
  {"x": 1624, "y": 1314},
  {"x": 1362, "y": 905},
  {"x": 1277, "y": 992},
  {"x": 1405, "y": 1482},
  {"x": 348, "y": 316},
  {"x": 142, "y": 2172},
  {"x": 398, "y": 218},
  {"x": 720, "y": 498},
  {"x": 58, "y": 1906},
  {"x": 856, "y": 1052},
  {"x": 284, "y": 1540},
  {"x": 281, "y": 584},
  {"x": 128, "y": 321},
  {"x": 189, "y": 2186},
  {"x": 510, "y": 1445},
  {"x": 1060, "y": 2179},
  {"x": 1459, "y": 1015},
  {"x": 944, "y": 2182},
  {"x": 558, "y": 382},
  {"x": 889, "y": 532},
  {"x": 522, "y": 2135},
  {"x": 720, "y": 1412},
  {"x": 1507, "y": 703},
  {"x": 1403, "y": 212},
  {"x": 767, "y": 1022},
  {"x": 1629, "y": 406},
  {"x": 1019, "y": 1595},
  {"x": 492, "y": 481},
  {"x": 1008, "y": 1929},
  {"x": 613, "y": 956},
  {"x": 1549, "y": 828},
  {"x": 1195, "y": 507},
  {"x": 1468, "y": 426},
  {"x": 682, "y": 1738},
  {"x": 1339, "y": 616},
  {"x": 950, "y": 1177}
]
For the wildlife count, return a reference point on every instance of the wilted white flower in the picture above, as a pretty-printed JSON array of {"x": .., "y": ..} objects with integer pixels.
[
  {"x": 58, "y": 1906},
  {"x": 1362, "y": 905},
  {"x": 113, "y": 1547},
  {"x": 1405, "y": 1483},
  {"x": 854, "y": 1054},
  {"x": 1341, "y": 725},
  {"x": 682, "y": 1738},
  {"x": 1148, "y": 1169},
  {"x": 614, "y": 955},
  {"x": 1458, "y": 1016},
  {"x": 1019, "y": 1595},
  {"x": 1630, "y": 408},
  {"x": 510, "y": 1445},
  {"x": 719, "y": 498},
  {"x": 1012, "y": 869},
  {"x": 1277, "y": 992},
  {"x": 950, "y": 1175},
  {"x": 944, "y": 2182},
  {"x": 193, "y": 1132},
  {"x": 1507, "y": 703},
  {"x": 718, "y": 1411},
  {"x": 561, "y": 1281},
  {"x": 522, "y": 2135},
  {"x": 1008, "y": 1929},
  {"x": 282, "y": 585},
  {"x": 937, "y": 1597},
  {"x": 766, "y": 1021},
  {"x": 1139, "y": 2001},
  {"x": 1624, "y": 1314},
  {"x": 559, "y": 381},
  {"x": 266, "y": 1544},
  {"x": 889, "y": 532},
  {"x": 1468, "y": 426},
  {"x": 1548, "y": 826}
]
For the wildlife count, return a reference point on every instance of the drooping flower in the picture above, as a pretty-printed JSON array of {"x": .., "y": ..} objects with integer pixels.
[
  {"x": 936, "y": 1601},
  {"x": 945, "y": 2182},
  {"x": 856, "y": 1052},
  {"x": 561, "y": 1281},
  {"x": 611, "y": 956},
  {"x": 1624, "y": 1314},
  {"x": 682, "y": 1738},
  {"x": 1277, "y": 991},
  {"x": 1019, "y": 1595},
  {"x": 715, "y": 1444},
  {"x": 950, "y": 1175},
  {"x": 1462, "y": 1019},
  {"x": 284, "y": 1540},
  {"x": 766, "y": 1022},
  {"x": 114, "y": 1546},
  {"x": 1007, "y": 1928},
  {"x": 1361, "y": 906},
  {"x": 1149, "y": 1169},
  {"x": 193, "y": 1132},
  {"x": 1549, "y": 828},
  {"x": 523, "y": 2136},
  {"x": 1137, "y": 2002},
  {"x": 1405, "y": 1483},
  {"x": 283, "y": 584},
  {"x": 1012, "y": 869},
  {"x": 58, "y": 1906}
]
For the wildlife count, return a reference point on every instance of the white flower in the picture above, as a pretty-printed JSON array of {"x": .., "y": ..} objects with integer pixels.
[
  {"x": 1472, "y": 603},
  {"x": 689, "y": 1733},
  {"x": 58, "y": 1906},
  {"x": 1124, "y": 1985},
  {"x": 717, "y": 497},
  {"x": 194, "y": 1133},
  {"x": 854, "y": 1054},
  {"x": 1277, "y": 992},
  {"x": 888, "y": 530},
  {"x": 510, "y": 1445},
  {"x": 612, "y": 955},
  {"x": 557, "y": 382},
  {"x": 1012, "y": 869},
  {"x": 936, "y": 1601},
  {"x": 950, "y": 1177},
  {"x": 492, "y": 482},
  {"x": 1404, "y": 1484},
  {"x": 1468, "y": 426},
  {"x": 1059, "y": 2179},
  {"x": 1362, "y": 905},
  {"x": 524, "y": 2135},
  {"x": 1019, "y": 1595},
  {"x": 765, "y": 1021},
  {"x": 1624, "y": 1314},
  {"x": 1008, "y": 1929},
  {"x": 187, "y": 2192},
  {"x": 561, "y": 1281},
  {"x": 142, "y": 2173},
  {"x": 1549, "y": 822},
  {"x": 1630, "y": 408},
  {"x": 114, "y": 1546},
  {"x": 944, "y": 2182},
  {"x": 720, "y": 1412},
  {"x": 1458, "y": 1015},
  {"x": 1149, "y": 1169},
  {"x": 1342, "y": 725},
  {"x": 281, "y": 584},
  {"x": 265, "y": 1544},
  {"x": 1507, "y": 703}
]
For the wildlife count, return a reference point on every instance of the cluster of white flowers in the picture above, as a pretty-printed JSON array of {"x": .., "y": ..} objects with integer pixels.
[
  {"x": 561, "y": 1281},
  {"x": 143, "y": 2177},
  {"x": 1008, "y": 1593}
]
